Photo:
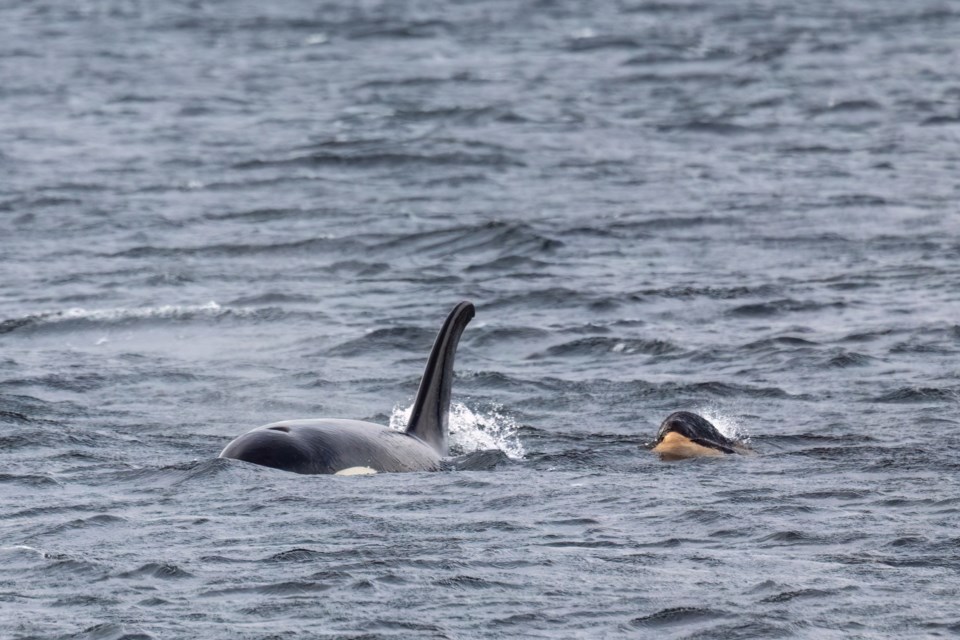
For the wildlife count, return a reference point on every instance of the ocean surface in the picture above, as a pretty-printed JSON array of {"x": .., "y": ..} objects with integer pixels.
[{"x": 215, "y": 215}]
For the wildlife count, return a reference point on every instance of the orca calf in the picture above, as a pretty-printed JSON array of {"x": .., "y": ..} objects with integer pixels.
[
  {"x": 687, "y": 435},
  {"x": 350, "y": 447}
]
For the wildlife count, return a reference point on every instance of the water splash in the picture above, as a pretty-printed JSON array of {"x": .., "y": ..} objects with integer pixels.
[
  {"x": 726, "y": 424},
  {"x": 473, "y": 431}
]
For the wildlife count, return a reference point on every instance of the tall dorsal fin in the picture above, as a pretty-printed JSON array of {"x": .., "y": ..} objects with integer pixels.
[{"x": 428, "y": 419}]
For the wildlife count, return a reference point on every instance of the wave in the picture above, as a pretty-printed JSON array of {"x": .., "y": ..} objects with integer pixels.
[
  {"x": 84, "y": 318},
  {"x": 849, "y": 106},
  {"x": 847, "y": 359},
  {"x": 93, "y": 522},
  {"x": 44, "y": 436},
  {"x": 470, "y": 582},
  {"x": 817, "y": 439},
  {"x": 919, "y": 394},
  {"x": 12, "y": 416},
  {"x": 513, "y": 266},
  {"x": 502, "y": 382},
  {"x": 326, "y": 243},
  {"x": 725, "y": 390},
  {"x": 109, "y": 631},
  {"x": 483, "y": 460},
  {"x": 30, "y": 480},
  {"x": 295, "y": 555},
  {"x": 596, "y": 346},
  {"x": 592, "y": 42},
  {"x": 715, "y": 127},
  {"x": 368, "y": 154},
  {"x": 685, "y": 292},
  {"x": 272, "y": 298},
  {"x": 673, "y": 222},
  {"x": 552, "y": 298},
  {"x": 200, "y": 472},
  {"x": 163, "y": 571},
  {"x": 277, "y": 589},
  {"x": 461, "y": 115},
  {"x": 676, "y": 616},
  {"x": 379, "y": 340},
  {"x": 778, "y": 343},
  {"x": 785, "y": 305},
  {"x": 787, "y": 596},
  {"x": 262, "y": 214},
  {"x": 499, "y": 336},
  {"x": 507, "y": 239}
]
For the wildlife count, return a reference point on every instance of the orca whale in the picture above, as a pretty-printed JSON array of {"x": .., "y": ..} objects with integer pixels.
[
  {"x": 349, "y": 447},
  {"x": 683, "y": 434}
]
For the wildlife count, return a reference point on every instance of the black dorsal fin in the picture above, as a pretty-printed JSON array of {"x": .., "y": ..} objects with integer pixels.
[{"x": 428, "y": 419}]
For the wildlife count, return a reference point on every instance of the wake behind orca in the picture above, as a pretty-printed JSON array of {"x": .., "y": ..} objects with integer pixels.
[{"x": 335, "y": 445}]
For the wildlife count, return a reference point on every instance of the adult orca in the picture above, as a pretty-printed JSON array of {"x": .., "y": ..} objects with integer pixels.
[
  {"x": 333, "y": 445},
  {"x": 687, "y": 435}
]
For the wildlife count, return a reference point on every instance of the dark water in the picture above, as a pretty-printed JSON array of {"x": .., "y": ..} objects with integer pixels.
[{"x": 215, "y": 215}]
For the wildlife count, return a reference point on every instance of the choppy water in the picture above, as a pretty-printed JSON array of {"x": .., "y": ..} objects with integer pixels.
[{"x": 215, "y": 215}]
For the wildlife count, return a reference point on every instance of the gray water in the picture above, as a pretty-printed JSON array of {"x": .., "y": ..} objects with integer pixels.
[{"x": 215, "y": 215}]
